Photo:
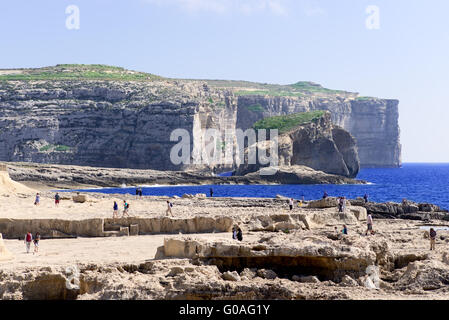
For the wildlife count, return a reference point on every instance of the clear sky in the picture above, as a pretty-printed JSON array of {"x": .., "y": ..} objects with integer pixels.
[{"x": 274, "y": 41}]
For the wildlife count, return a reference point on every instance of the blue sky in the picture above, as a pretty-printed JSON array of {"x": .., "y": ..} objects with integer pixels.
[{"x": 274, "y": 41}]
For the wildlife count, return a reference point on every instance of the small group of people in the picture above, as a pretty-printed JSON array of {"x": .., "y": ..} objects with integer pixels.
[
  {"x": 291, "y": 203},
  {"x": 237, "y": 233},
  {"x": 139, "y": 192},
  {"x": 125, "y": 209},
  {"x": 29, "y": 238},
  {"x": 37, "y": 199},
  {"x": 343, "y": 231}
]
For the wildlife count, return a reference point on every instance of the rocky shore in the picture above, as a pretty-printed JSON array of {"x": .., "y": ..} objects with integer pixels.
[
  {"x": 298, "y": 254},
  {"x": 68, "y": 176}
]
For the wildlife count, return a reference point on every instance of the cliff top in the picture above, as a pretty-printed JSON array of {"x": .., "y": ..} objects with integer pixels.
[
  {"x": 113, "y": 73},
  {"x": 288, "y": 122},
  {"x": 77, "y": 72}
]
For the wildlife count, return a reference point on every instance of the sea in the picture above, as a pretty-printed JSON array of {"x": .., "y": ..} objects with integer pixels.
[{"x": 419, "y": 182}]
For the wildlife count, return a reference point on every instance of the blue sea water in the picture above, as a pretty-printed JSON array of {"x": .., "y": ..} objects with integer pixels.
[{"x": 419, "y": 182}]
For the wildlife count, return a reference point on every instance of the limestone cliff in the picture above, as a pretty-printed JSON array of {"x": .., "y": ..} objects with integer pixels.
[{"x": 111, "y": 117}]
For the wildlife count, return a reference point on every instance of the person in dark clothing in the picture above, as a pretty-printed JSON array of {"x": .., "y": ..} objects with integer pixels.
[
  {"x": 211, "y": 191},
  {"x": 36, "y": 239},
  {"x": 340, "y": 204},
  {"x": 433, "y": 236},
  {"x": 57, "y": 198},
  {"x": 325, "y": 195},
  {"x": 345, "y": 229},
  {"x": 365, "y": 197},
  {"x": 239, "y": 234},
  {"x": 140, "y": 192}
]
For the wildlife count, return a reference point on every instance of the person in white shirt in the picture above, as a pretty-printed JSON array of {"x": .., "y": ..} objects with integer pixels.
[
  {"x": 291, "y": 203},
  {"x": 369, "y": 222}
]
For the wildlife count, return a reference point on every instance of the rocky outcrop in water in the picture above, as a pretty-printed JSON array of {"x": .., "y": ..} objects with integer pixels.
[{"x": 318, "y": 144}]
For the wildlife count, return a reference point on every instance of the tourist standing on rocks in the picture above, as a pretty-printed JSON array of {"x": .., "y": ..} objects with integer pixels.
[
  {"x": 365, "y": 197},
  {"x": 344, "y": 204},
  {"x": 239, "y": 234},
  {"x": 345, "y": 229},
  {"x": 140, "y": 193},
  {"x": 28, "y": 239},
  {"x": 433, "y": 236},
  {"x": 234, "y": 232},
  {"x": 125, "y": 208},
  {"x": 325, "y": 195},
  {"x": 211, "y": 191},
  {"x": 369, "y": 222},
  {"x": 340, "y": 204},
  {"x": 57, "y": 198},
  {"x": 37, "y": 237},
  {"x": 137, "y": 192},
  {"x": 38, "y": 199},
  {"x": 290, "y": 203},
  {"x": 115, "y": 213},
  {"x": 169, "y": 206}
]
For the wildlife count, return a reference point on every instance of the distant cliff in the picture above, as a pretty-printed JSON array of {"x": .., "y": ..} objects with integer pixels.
[{"x": 111, "y": 117}]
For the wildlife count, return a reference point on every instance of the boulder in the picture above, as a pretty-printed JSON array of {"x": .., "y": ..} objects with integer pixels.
[
  {"x": 266, "y": 274},
  {"x": 79, "y": 198},
  {"x": 347, "y": 281},
  {"x": 329, "y": 202},
  {"x": 308, "y": 279},
  {"x": 248, "y": 273},
  {"x": 359, "y": 212},
  {"x": 175, "y": 271},
  {"x": 231, "y": 276}
]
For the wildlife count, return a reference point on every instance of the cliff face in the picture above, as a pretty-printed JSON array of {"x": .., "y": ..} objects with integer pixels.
[
  {"x": 125, "y": 120},
  {"x": 372, "y": 122},
  {"x": 318, "y": 144}
]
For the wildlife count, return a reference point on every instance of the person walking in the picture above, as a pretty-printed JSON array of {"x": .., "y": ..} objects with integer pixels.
[
  {"x": 57, "y": 198},
  {"x": 169, "y": 206},
  {"x": 37, "y": 237},
  {"x": 115, "y": 212},
  {"x": 28, "y": 239},
  {"x": 433, "y": 236},
  {"x": 369, "y": 222},
  {"x": 290, "y": 203},
  {"x": 345, "y": 229},
  {"x": 239, "y": 234},
  {"x": 211, "y": 192},
  {"x": 125, "y": 208},
  {"x": 37, "y": 200},
  {"x": 234, "y": 232}
]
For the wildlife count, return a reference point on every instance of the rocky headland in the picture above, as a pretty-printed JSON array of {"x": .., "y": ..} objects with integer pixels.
[{"x": 102, "y": 116}]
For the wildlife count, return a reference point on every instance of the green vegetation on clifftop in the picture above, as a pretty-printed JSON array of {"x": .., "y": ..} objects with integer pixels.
[
  {"x": 77, "y": 72},
  {"x": 288, "y": 122}
]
